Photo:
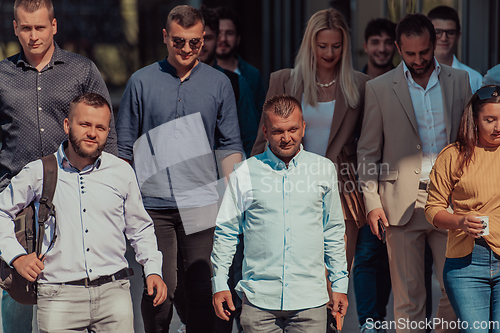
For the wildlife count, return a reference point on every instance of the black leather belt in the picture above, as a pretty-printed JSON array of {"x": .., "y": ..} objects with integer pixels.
[
  {"x": 423, "y": 186},
  {"x": 120, "y": 275}
]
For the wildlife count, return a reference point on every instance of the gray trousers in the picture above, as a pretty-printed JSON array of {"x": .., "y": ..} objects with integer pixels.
[
  {"x": 256, "y": 320},
  {"x": 105, "y": 308}
]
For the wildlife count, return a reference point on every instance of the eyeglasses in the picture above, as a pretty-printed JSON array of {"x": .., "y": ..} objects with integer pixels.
[
  {"x": 179, "y": 43},
  {"x": 488, "y": 92},
  {"x": 449, "y": 32}
]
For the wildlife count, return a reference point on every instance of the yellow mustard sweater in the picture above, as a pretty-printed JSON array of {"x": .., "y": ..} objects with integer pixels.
[{"x": 475, "y": 191}]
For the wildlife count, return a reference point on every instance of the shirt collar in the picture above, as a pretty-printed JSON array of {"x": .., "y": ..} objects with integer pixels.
[
  {"x": 437, "y": 69},
  {"x": 64, "y": 162},
  {"x": 455, "y": 62},
  {"x": 58, "y": 57},
  {"x": 276, "y": 163},
  {"x": 167, "y": 67}
]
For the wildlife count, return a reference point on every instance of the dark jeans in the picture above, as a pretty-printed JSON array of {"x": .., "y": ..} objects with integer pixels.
[
  {"x": 194, "y": 252},
  {"x": 235, "y": 274},
  {"x": 371, "y": 276}
]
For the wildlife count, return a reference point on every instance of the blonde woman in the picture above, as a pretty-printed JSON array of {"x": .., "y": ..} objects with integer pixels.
[{"x": 332, "y": 98}]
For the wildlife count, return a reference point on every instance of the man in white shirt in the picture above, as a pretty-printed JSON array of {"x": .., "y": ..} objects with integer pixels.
[
  {"x": 447, "y": 24},
  {"x": 97, "y": 201},
  {"x": 411, "y": 113}
]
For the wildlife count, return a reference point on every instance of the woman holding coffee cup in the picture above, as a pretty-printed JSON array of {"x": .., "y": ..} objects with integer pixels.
[{"x": 466, "y": 176}]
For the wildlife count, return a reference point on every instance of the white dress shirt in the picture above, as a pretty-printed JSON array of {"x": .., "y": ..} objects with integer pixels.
[
  {"x": 429, "y": 110},
  {"x": 95, "y": 207},
  {"x": 475, "y": 78}
]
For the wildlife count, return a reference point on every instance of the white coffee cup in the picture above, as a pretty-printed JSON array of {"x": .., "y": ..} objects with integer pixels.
[{"x": 486, "y": 220}]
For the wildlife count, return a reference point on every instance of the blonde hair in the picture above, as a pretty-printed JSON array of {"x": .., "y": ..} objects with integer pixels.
[{"x": 305, "y": 63}]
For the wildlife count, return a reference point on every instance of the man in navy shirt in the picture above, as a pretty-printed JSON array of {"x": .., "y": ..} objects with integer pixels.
[{"x": 172, "y": 115}]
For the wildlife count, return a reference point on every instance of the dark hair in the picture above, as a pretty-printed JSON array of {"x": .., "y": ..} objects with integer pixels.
[
  {"x": 90, "y": 99},
  {"x": 32, "y": 6},
  {"x": 281, "y": 105},
  {"x": 211, "y": 18},
  {"x": 226, "y": 13},
  {"x": 445, "y": 13},
  {"x": 185, "y": 16},
  {"x": 415, "y": 25},
  {"x": 467, "y": 132},
  {"x": 376, "y": 26}
]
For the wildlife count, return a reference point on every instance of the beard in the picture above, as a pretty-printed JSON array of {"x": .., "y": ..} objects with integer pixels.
[
  {"x": 228, "y": 55},
  {"x": 426, "y": 68},
  {"x": 77, "y": 147}
]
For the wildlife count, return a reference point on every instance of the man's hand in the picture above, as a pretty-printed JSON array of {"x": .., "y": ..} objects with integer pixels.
[
  {"x": 153, "y": 282},
  {"x": 373, "y": 217},
  {"x": 28, "y": 266},
  {"x": 218, "y": 299},
  {"x": 339, "y": 303}
]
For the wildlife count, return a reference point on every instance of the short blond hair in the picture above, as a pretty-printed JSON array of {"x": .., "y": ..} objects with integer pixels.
[{"x": 32, "y": 6}]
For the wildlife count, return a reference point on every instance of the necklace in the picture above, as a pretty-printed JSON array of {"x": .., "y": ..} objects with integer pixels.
[{"x": 326, "y": 85}]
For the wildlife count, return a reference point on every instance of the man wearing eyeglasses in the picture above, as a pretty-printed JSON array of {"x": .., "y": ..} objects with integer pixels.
[
  {"x": 447, "y": 24},
  {"x": 172, "y": 115}
]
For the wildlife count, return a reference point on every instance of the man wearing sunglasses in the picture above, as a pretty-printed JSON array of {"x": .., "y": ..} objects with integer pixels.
[
  {"x": 447, "y": 24},
  {"x": 172, "y": 115}
]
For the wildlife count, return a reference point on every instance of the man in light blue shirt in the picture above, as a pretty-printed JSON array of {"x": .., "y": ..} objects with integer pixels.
[{"x": 286, "y": 203}]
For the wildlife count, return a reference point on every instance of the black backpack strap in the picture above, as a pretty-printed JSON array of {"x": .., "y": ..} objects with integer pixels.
[{"x": 46, "y": 207}]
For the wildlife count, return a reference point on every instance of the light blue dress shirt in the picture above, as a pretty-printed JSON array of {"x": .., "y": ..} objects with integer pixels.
[
  {"x": 293, "y": 226},
  {"x": 95, "y": 208}
]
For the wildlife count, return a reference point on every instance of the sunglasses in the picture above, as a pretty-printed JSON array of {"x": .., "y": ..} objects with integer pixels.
[
  {"x": 179, "y": 43},
  {"x": 448, "y": 32},
  {"x": 488, "y": 92}
]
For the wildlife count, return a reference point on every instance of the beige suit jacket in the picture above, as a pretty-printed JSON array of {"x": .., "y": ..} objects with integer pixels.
[
  {"x": 346, "y": 122},
  {"x": 390, "y": 149}
]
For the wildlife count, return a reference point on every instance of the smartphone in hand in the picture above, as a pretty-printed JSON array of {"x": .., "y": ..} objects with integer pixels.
[{"x": 381, "y": 230}]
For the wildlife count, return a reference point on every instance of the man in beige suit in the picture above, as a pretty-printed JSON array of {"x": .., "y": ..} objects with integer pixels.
[{"x": 411, "y": 114}]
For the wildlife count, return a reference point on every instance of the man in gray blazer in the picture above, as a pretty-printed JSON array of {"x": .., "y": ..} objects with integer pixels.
[{"x": 411, "y": 114}]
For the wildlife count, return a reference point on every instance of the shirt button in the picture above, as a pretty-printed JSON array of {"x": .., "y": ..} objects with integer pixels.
[
  {"x": 90, "y": 270},
  {"x": 83, "y": 186},
  {"x": 88, "y": 249},
  {"x": 287, "y": 229},
  {"x": 86, "y": 231},
  {"x": 287, "y": 210},
  {"x": 419, "y": 147},
  {"x": 288, "y": 248},
  {"x": 286, "y": 284},
  {"x": 417, "y": 171},
  {"x": 39, "y": 88},
  {"x": 41, "y": 130},
  {"x": 83, "y": 192},
  {"x": 81, "y": 177},
  {"x": 84, "y": 210},
  {"x": 180, "y": 99},
  {"x": 40, "y": 108}
]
